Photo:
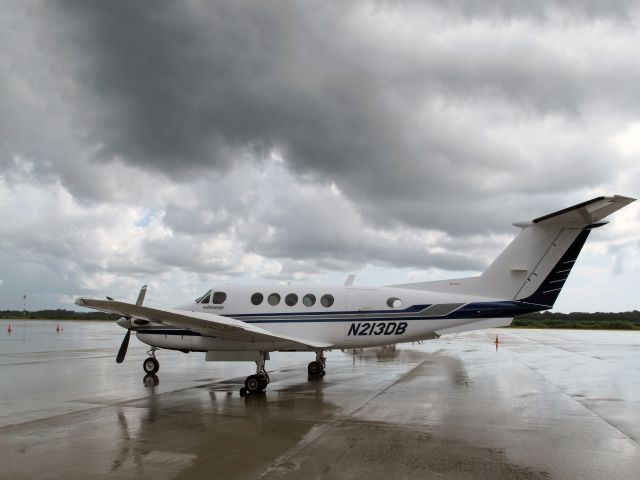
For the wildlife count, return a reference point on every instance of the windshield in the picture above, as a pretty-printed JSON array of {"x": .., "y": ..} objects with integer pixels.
[{"x": 201, "y": 298}]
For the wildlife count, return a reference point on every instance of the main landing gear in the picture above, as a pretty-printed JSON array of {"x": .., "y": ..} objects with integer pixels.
[
  {"x": 151, "y": 364},
  {"x": 257, "y": 383},
  {"x": 317, "y": 368}
]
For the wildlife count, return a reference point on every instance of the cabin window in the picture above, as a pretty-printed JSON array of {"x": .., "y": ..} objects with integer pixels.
[
  {"x": 273, "y": 299},
  {"x": 291, "y": 299},
  {"x": 257, "y": 298},
  {"x": 326, "y": 300},
  {"x": 309, "y": 300},
  {"x": 206, "y": 298},
  {"x": 393, "y": 302},
  {"x": 219, "y": 298}
]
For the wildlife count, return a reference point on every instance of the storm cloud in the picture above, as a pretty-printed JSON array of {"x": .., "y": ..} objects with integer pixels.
[{"x": 192, "y": 142}]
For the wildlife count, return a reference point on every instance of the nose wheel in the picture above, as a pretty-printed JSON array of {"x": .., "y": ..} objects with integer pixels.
[{"x": 151, "y": 364}]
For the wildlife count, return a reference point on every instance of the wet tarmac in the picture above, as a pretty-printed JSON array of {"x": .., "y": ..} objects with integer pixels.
[{"x": 545, "y": 404}]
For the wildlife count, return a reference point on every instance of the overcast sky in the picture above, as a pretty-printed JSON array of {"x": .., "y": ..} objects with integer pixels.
[{"x": 183, "y": 144}]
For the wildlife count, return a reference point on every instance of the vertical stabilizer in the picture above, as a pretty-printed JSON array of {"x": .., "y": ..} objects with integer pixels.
[{"x": 535, "y": 266}]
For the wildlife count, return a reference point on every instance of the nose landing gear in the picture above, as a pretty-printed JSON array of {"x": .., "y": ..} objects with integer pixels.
[{"x": 151, "y": 364}]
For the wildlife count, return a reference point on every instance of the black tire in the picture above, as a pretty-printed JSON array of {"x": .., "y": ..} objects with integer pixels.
[
  {"x": 315, "y": 368},
  {"x": 253, "y": 384},
  {"x": 243, "y": 392},
  {"x": 264, "y": 381},
  {"x": 150, "y": 366}
]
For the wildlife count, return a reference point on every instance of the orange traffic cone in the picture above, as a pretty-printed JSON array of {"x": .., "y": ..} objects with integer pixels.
[{"x": 9, "y": 329}]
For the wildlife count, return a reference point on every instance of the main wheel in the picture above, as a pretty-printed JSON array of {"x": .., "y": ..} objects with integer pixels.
[
  {"x": 150, "y": 366},
  {"x": 315, "y": 368},
  {"x": 264, "y": 381},
  {"x": 253, "y": 384}
]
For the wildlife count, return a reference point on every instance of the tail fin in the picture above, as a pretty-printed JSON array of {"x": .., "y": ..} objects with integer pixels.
[{"x": 535, "y": 266}]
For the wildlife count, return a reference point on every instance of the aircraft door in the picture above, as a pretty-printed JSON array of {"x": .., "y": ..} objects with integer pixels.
[{"x": 362, "y": 299}]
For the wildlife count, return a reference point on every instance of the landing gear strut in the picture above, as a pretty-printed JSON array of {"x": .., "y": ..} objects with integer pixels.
[
  {"x": 257, "y": 383},
  {"x": 317, "y": 367},
  {"x": 151, "y": 364}
]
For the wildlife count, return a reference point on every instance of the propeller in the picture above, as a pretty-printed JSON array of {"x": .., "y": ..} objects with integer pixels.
[
  {"x": 125, "y": 341},
  {"x": 123, "y": 348}
]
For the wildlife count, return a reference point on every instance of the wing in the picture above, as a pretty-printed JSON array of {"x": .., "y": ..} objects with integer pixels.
[{"x": 205, "y": 323}]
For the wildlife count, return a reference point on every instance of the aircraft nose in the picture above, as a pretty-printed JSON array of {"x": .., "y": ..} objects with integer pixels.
[{"x": 124, "y": 322}]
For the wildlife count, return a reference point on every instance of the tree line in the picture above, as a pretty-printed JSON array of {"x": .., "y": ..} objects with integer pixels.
[
  {"x": 597, "y": 320},
  {"x": 57, "y": 315}
]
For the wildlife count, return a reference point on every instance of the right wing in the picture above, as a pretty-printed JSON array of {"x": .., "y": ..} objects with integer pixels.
[{"x": 208, "y": 324}]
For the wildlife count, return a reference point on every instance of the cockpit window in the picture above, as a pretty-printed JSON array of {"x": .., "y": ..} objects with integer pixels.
[
  {"x": 204, "y": 298},
  {"x": 219, "y": 297}
]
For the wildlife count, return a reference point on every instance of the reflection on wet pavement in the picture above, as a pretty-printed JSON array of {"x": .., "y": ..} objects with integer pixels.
[{"x": 546, "y": 404}]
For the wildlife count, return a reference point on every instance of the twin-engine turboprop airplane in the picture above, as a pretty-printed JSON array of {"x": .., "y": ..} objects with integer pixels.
[{"x": 246, "y": 322}]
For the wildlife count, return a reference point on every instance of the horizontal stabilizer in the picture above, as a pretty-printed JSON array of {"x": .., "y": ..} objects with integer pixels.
[{"x": 585, "y": 213}]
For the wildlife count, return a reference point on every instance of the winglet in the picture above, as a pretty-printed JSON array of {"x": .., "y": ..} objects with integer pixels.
[{"x": 349, "y": 281}]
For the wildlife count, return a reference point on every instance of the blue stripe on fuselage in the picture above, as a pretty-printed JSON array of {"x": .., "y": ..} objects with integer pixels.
[
  {"x": 412, "y": 308},
  {"x": 500, "y": 309}
]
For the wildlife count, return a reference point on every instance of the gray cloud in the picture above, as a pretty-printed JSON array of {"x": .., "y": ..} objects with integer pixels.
[
  {"x": 182, "y": 88},
  {"x": 304, "y": 138},
  {"x": 581, "y": 10}
]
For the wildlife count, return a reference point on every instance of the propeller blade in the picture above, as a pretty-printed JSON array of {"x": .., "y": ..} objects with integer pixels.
[
  {"x": 123, "y": 348},
  {"x": 143, "y": 292}
]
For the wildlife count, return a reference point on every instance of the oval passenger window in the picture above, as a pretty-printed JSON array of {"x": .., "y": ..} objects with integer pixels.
[
  {"x": 291, "y": 299},
  {"x": 326, "y": 300},
  {"x": 257, "y": 298},
  {"x": 309, "y": 300},
  {"x": 274, "y": 299}
]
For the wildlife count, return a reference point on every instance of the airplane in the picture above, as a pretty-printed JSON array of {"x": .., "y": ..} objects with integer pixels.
[{"x": 246, "y": 322}]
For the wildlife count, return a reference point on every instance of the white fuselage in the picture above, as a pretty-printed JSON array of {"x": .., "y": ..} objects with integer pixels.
[{"x": 357, "y": 317}]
